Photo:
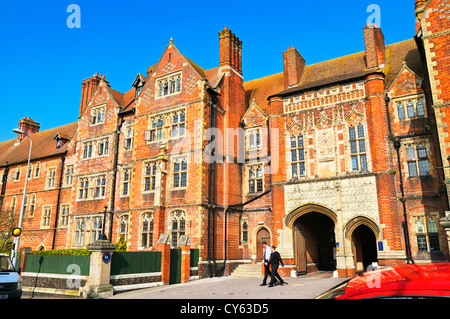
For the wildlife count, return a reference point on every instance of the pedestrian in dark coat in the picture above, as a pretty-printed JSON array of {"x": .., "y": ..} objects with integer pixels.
[{"x": 275, "y": 261}]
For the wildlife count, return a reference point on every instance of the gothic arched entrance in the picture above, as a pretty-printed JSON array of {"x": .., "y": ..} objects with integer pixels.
[
  {"x": 314, "y": 243},
  {"x": 314, "y": 238},
  {"x": 362, "y": 233},
  {"x": 364, "y": 247},
  {"x": 262, "y": 235}
]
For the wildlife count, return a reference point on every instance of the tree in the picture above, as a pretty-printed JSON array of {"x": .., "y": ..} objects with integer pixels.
[
  {"x": 8, "y": 221},
  {"x": 121, "y": 244}
]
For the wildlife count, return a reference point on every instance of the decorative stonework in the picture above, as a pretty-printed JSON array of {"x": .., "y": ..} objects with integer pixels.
[
  {"x": 325, "y": 139},
  {"x": 325, "y": 97},
  {"x": 359, "y": 198},
  {"x": 357, "y": 195},
  {"x": 318, "y": 192}
]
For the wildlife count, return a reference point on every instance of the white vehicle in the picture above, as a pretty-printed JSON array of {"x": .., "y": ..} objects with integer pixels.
[{"x": 10, "y": 280}]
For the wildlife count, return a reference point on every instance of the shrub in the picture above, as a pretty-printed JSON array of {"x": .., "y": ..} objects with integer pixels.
[
  {"x": 68, "y": 252},
  {"x": 121, "y": 244}
]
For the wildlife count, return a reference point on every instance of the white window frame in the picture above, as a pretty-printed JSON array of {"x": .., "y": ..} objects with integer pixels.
[
  {"x": 98, "y": 115},
  {"x": 46, "y": 216},
  {"x": 258, "y": 180},
  {"x": 148, "y": 232},
  {"x": 64, "y": 216},
  {"x": 178, "y": 216},
  {"x": 128, "y": 139},
  {"x": 163, "y": 87},
  {"x": 177, "y": 162},
  {"x": 359, "y": 153},
  {"x": 50, "y": 182},
  {"x": 254, "y": 138},
  {"x": 126, "y": 182},
  {"x": 95, "y": 189},
  {"x": 149, "y": 167}
]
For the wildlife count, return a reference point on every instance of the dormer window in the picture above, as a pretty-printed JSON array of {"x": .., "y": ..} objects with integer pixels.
[
  {"x": 61, "y": 139},
  {"x": 138, "y": 91},
  {"x": 138, "y": 84}
]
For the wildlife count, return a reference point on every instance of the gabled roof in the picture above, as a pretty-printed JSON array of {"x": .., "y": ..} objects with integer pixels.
[
  {"x": 44, "y": 145},
  {"x": 260, "y": 89},
  {"x": 346, "y": 68},
  {"x": 197, "y": 68}
]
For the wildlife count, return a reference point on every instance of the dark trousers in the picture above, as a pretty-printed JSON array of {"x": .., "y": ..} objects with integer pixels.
[
  {"x": 266, "y": 272},
  {"x": 274, "y": 275}
]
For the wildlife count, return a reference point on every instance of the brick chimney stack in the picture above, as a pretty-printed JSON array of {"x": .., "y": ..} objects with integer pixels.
[
  {"x": 230, "y": 50},
  {"x": 418, "y": 10},
  {"x": 375, "y": 47},
  {"x": 88, "y": 87},
  {"x": 28, "y": 126},
  {"x": 293, "y": 67}
]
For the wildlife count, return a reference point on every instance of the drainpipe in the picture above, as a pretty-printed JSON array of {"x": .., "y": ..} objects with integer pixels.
[
  {"x": 58, "y": 200},
  {"x": 211, "y": 189}
]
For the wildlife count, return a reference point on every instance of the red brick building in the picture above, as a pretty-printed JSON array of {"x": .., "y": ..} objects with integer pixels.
[{"x": 304, "y": 158}]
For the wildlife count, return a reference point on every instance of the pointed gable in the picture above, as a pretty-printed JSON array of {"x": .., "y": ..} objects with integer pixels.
[
  {"x": 406, "y": 82},
  {"x": 254, "y": 115},
  {"x": 174, "y": 79}
]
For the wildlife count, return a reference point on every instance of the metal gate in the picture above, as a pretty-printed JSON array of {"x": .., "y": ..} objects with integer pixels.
[{"x": 175, "y": 266}]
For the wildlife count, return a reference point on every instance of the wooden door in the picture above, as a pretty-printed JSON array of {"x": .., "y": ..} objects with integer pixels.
[
  {"x": 300, "y": 250},
  {"x": 263, "y": 235}
]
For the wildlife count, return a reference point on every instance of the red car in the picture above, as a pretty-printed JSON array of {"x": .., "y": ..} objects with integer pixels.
[{"x": 409, "y": 281}]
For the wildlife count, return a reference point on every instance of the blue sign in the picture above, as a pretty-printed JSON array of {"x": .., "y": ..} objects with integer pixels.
[
  {"x": 106, "y": 257},
  {"x": 380, "y": 246}
]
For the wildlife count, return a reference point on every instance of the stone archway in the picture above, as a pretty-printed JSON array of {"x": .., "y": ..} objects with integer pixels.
[
  {"x": 363, "y": 234},
  {"x": 314, "y": 237}
]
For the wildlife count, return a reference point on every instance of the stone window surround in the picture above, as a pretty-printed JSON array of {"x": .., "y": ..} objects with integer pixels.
[
  {"x": 404, "y": 100},
  {"x": 175, "y": 76},
  {"x": 91, "y": 187},
  {"x": 167, "y": 126}
]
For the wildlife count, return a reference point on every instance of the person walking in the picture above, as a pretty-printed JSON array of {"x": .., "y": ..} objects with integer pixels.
[
  {"x": 275, "y": 261},
  {"x": 266, "y": 254}
]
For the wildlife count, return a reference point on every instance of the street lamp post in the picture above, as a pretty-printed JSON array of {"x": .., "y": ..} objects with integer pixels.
[
  {"x": 102, "y": 236},
  {"x": 403, "y": 200},
  {"x": 17, "y": 239}
]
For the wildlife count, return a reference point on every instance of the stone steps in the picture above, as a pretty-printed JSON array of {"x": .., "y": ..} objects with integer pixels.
[{"x": 248, "y": 270}]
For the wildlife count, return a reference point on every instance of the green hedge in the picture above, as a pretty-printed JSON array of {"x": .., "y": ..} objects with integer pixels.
[{"x": 64, "y": 252}]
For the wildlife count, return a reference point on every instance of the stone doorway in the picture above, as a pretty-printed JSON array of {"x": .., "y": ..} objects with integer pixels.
[
  {"x": 262, "y": 235},
  {"x": 314, "y": 243},
  {"x": 364, "y": 247}
]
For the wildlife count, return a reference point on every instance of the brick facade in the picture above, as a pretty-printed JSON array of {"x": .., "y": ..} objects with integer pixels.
[{"x": 312, "y": 145}]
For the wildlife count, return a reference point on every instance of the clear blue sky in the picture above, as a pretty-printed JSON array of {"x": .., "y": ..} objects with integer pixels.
[{"x": 43, "y": 62}]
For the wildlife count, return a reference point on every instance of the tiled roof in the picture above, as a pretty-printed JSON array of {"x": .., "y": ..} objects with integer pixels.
[
  {"x": 260, "y": 89},
  {"x": 197, "y": 68},
  {"x": 128, "y": 101},
  {"x": 44, "y": 145},
  {"x": 338, "y": 70}
]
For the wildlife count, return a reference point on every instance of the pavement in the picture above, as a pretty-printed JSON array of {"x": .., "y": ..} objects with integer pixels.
[{"x": 302, "y": 287}]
